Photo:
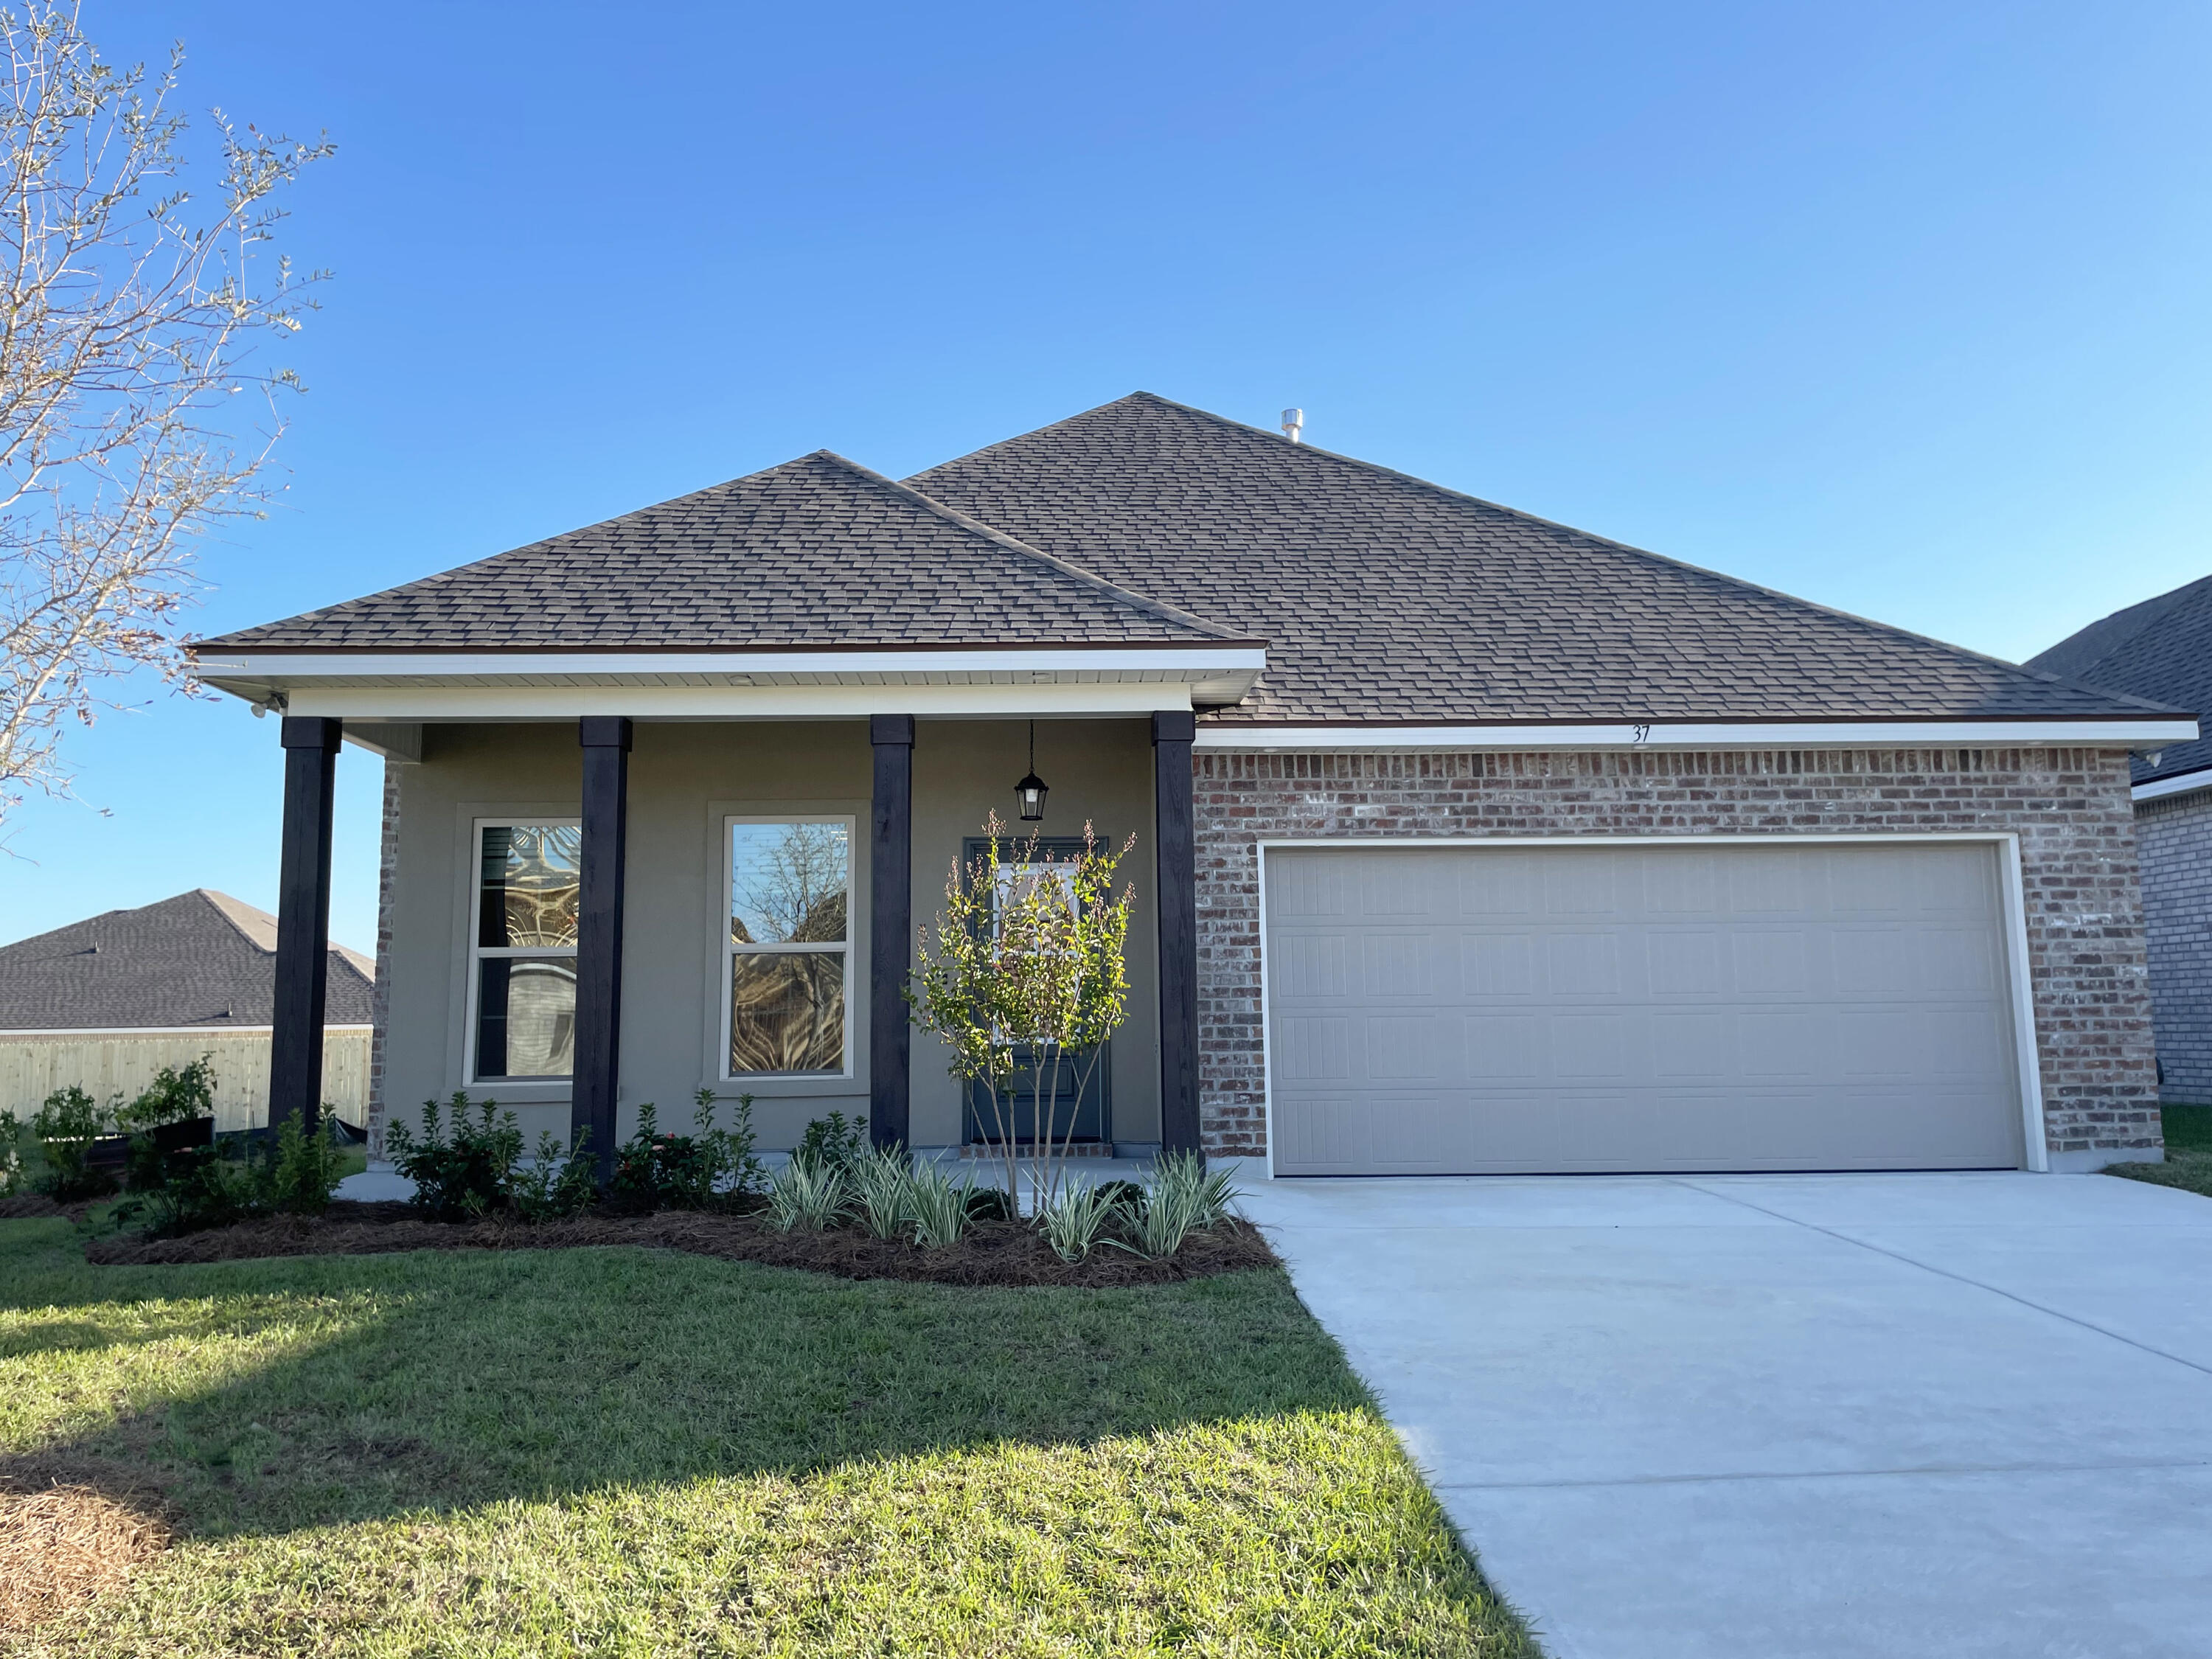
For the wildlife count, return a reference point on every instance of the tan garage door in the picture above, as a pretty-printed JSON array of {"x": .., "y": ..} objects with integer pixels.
[{"x": 1707, "y": 1006}]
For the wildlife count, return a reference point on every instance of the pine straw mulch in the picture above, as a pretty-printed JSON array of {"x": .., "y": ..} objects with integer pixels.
[
  {"x": 993, "y": 1252},
  {"x": 69, "y": 1529}
]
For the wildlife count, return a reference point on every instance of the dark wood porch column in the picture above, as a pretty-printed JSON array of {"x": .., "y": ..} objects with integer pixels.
[
  {"x": 605, "y": 739},
  {"x": 303, "y": 921},
  {"x": 891, "y": 925},
  {"x": 1175, "y": 853}
]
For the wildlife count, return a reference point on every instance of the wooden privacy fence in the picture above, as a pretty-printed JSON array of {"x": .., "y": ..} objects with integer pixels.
[{"x": 104, "y": 1063}]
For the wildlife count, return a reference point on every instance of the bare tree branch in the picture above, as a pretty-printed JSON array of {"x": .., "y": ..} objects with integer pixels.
[{"x": 129, "y": 317}]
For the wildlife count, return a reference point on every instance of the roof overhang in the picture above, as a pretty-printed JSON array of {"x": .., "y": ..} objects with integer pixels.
[
  {"x": 2142, "y": 731},
  {"x": 2181, "y": 783},
  {"x": 375, "y": 685}
]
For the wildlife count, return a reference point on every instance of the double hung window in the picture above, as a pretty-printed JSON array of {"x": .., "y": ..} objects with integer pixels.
[
  {"x": 522, "y": 995},
  {"x": 786, "y": 953}
]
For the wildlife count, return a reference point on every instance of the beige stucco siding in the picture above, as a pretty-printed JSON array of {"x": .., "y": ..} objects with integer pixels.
[{"x": 686, "y": 779}]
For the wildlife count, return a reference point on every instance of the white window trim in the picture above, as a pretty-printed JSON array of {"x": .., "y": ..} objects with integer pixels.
[
  {"x": 2012, "y": 923},
  {"x": 474, "y": 953},
  {"x": 727, "y": 949}
]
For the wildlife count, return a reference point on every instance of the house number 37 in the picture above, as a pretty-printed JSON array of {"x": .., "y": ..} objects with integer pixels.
[{"x": 1639, "y": 734}]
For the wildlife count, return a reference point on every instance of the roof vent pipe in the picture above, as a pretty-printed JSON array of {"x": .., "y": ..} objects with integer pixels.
[{"x": 1294, "y": 421}]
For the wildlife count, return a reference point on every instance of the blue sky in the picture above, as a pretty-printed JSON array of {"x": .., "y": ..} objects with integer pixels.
[{"x": 1899, "y": 307}]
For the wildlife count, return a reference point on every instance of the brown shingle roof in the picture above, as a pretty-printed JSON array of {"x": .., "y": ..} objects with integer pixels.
[
  {"x": 1385, "y": 597},
  {"x": 818, "y": 552},
  {"x": 202, "y": 958}
]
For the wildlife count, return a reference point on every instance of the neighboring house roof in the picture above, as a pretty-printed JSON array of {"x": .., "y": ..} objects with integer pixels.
[
  {"x": 202, "y": 958},
  {"x": 818, "y": 552},
  {"x": 2161, "y": 649},
  {"x": 1379, "y": 596},
  {"x": 1385, "y": 597}
]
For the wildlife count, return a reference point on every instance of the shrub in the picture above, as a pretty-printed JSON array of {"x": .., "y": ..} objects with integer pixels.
[
  {"x": 941, "y": 1212},
  {"x": 697, "y": 1171},
  {"x": 836, "y": 1139},
  {"x": 172, "y": 1097},
  {"x": 1075, "y": 1219},
  {"x": 882, "y": 1181},
  {"x": 988, "y": 1203},
  {"x": 303, "y": 1171},
  {"x": 809, "y": 1193},
  {"x": 462, "y": 1170},
  {"x": 66, "y": 1126},
  {"x": 11, "y": 1153},
  {"x": 556, "y": 1186},
  {"x": 1212, "y": 1195}
]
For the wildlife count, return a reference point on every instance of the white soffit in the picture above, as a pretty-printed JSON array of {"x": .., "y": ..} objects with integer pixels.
[
  {"x": 2145, "y": 732},
  {"x": 2182, "y": 784}
]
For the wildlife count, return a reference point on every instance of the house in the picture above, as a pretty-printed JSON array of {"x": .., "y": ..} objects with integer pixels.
[
  {"x": 106, "y": 1003},
  {"x": 2162, "y": 649},
  {"x": 1468, "y": 842}
]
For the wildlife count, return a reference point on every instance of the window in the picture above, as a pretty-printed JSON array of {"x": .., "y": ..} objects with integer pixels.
[
  {"x": 786, "y": 954},
  {"x": 523, "y": 963}
]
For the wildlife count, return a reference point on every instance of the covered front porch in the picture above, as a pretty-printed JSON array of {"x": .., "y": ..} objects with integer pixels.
[{"x": 580, "y": 916}]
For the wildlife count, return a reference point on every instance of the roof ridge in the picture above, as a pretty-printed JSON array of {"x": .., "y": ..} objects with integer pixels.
[
  {"x": 1429, "y": 485},
  {"x": 2153, "y": 614},
  {"x": 229, "y": 908},
  {"x": 1013, "y": 543}
]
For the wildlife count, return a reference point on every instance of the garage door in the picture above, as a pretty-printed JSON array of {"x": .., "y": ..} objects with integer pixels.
[{"x": 1708, "y": 1007}]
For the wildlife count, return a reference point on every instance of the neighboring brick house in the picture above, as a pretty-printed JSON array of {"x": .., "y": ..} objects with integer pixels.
[
  {"x": 1468, "y": 842},
  {"x": 105, "y": 1003},
  {"x": 2162, "y": 649}
]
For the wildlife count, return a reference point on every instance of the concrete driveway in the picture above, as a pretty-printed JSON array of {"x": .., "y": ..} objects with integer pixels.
[{"x": 1785, "y": 1416}]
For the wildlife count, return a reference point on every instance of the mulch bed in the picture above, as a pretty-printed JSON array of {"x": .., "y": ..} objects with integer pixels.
[
  {"x": 37, "y": 1206},
  {"x": 993, "y": 1253}
]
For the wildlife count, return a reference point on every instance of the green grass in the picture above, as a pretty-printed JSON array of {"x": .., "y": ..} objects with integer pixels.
[
  {"x": 2188, "y": 1163},
  {"x": 628, "y": 1452}
]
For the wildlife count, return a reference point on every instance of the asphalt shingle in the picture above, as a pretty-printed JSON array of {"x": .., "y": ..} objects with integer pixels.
[
  {"x": 2162, "y": 649},
  {"x": 202, "y": 958}
]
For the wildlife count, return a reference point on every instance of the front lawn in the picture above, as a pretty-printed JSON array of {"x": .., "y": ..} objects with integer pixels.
[
  {"x": 2187, "y": 1153},
  {"x": 625, "y": 1451}
]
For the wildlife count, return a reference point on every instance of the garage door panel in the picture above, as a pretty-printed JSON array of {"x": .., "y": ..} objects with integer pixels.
[{"x": 1828, "y": 1007}]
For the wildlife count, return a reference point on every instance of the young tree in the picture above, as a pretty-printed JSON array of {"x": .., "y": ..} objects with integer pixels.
[
  {"x": 129, "y": 311},
  {"x": 1037, "y": 958}
]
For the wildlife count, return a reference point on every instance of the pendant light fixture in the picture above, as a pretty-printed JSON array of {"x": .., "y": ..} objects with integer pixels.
[{"x": 1031, "y": 791}]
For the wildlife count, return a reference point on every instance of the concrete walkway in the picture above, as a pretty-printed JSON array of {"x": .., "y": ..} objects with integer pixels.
[{"x": 1795, "y": 1417}]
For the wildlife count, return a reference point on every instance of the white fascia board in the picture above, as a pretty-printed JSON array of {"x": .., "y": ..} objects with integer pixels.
[
  {"x": 1041, "y": 700},
  {"x": 2181, "y": 784},
  {"x": 288, "y": 669},
  {"x": 2148, "y": 731}
]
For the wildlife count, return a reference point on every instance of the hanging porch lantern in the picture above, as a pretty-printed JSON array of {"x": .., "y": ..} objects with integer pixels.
[{"x": 1031, "y": 791}]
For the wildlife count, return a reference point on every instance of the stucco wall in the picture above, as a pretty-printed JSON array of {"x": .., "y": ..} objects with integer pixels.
[
  {"x": 2175, "y": 836},
  {"x": 684, "y": 778},
  {"x": 2071, "y": 808}
]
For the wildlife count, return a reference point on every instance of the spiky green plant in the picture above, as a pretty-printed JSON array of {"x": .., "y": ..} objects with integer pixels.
[{"x": 939, "y": 1208}]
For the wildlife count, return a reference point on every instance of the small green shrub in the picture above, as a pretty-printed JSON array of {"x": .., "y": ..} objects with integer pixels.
[
  {"x": 836, "y": 1139},
  {"x": 1075, "y": 1218},
  {"x": 1183, "y": 1199},
  {"x": 988, "y": 1203},
  {"x": 461, "y": 1168},
  {"x": 882, "y": 1180},
  {"x": 66, "y": 1126},
  {"x": 304, "y": 1170},
  {"x": 709, "y": 1169},
  {"x": 941, "y": 1212},
  {"x": 172, "y": 1097},
  {"x": 557, "y": 1185},
  {"x": 809, "y": 1193}
]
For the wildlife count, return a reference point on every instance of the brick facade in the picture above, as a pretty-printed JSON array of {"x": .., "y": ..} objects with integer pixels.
[
  {"x": 2175, "y": 836},
  {"x": 379, "y": 1016},
  {"x": 2070, "y": 807}
]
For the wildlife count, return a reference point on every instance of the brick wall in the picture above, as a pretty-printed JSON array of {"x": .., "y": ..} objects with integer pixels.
[
  {"x": 2070, "y": 808},
  {"x": 380, "y": 997},
  {"x": 2175, "y": 835}
]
